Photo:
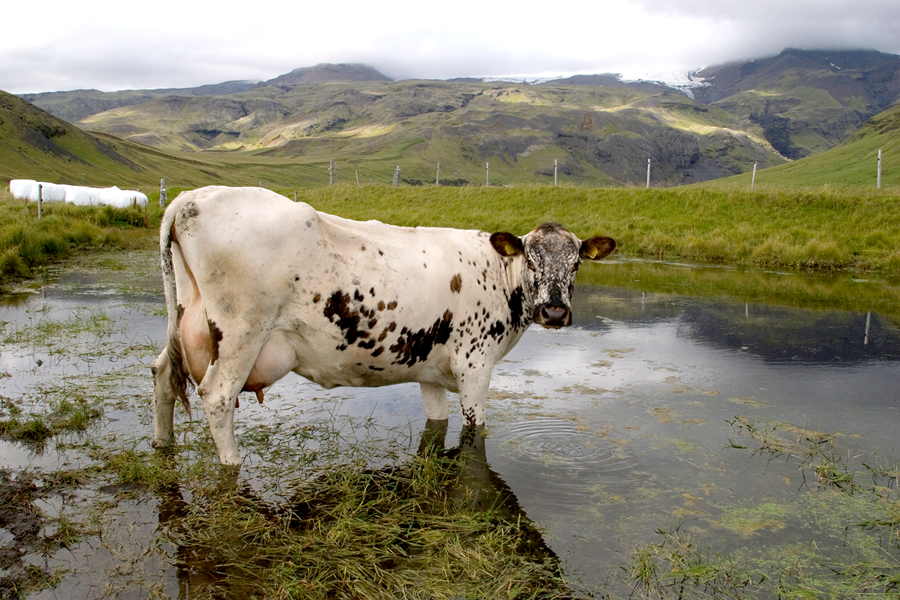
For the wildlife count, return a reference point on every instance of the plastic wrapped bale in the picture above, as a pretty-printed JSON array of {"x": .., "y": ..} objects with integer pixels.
[
  {"x": 53, "y": 192},
  {"x": 82, "y": 196},
  {"x": 24, "y": 189},
  {"x": 132, "y": 198}
]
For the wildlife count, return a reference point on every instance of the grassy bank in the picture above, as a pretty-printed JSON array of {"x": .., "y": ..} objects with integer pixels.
[
  {"x": 771, "y": 227},
  {"x": 778, "y": 227},
  {"x": 28, "y": 243}
]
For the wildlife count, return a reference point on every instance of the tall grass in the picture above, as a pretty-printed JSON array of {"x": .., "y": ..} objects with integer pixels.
[
  {"x": 776, "y": 227},
  {"x": 820, "y": 229},
  {"x": 28, "y": 243}
]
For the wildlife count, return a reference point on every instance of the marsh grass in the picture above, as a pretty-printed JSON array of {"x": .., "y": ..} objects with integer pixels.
[
  {"x": 28, "y": 243},
  {"x": 858, "y": 499}
]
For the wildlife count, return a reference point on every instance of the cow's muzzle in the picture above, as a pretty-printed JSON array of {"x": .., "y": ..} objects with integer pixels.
[{"x": 552, "y": 316}]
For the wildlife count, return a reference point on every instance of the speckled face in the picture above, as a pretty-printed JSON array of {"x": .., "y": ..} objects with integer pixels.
[{"x": 552, "y": 255}]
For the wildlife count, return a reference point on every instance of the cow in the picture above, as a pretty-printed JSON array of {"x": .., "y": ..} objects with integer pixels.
[{"x": 258, "y": 286}]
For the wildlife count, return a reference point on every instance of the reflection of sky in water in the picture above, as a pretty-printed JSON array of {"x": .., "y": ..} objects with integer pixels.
[{"x": 604, "y": 431}]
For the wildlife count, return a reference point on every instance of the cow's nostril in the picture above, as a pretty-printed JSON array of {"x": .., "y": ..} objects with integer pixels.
[
  {"x": 554, "y": 313},
  {"x": 553, "y": 316}
]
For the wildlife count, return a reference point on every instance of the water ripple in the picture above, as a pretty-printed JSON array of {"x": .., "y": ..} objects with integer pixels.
[{"x": 565, "y": 459}]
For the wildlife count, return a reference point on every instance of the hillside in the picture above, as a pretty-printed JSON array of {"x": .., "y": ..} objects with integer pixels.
[
  {"x": 853, "y": 163},
  {"x": 805, "y": 101},
  {"x": 36, "y": 145},
  {"x": 598, "y": 129},
  {"x": 597, "y": 135}
]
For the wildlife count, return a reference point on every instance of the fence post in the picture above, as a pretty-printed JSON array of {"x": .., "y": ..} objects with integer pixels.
[
  {"x": 397, "y": 176},
  {"x": 437, "y": 178},
  {"x": 879, "y": 170},
  {"x": 331, "y": 172},
  {"x": 357, "y": 177},
  {"x": 648, "y": 172},
  {"x": 555, "y": 168},
  {"x": 162, "y": 193},
  {"x": 753, "y": 178},
  {"x": 40, "y": 199},
  {"x": 487, "y": 180}
]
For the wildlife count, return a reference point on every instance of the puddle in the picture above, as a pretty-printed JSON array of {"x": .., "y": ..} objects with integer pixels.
[{"x": 603, "y": 433}]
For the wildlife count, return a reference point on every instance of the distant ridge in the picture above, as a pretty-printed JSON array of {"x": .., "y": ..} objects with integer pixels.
[{"x": 327, "y": 72}]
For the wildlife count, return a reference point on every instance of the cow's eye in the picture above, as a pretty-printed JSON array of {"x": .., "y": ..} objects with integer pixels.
[
  {"x": 530, "y": 263},
  {"x": 575, "y": 266}
]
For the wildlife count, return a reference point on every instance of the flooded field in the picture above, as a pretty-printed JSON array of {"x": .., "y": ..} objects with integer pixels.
[{"x": 699, "y": 431}]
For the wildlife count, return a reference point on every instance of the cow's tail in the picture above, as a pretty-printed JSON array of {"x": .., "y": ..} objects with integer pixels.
[{"x": 178, "y": 377}]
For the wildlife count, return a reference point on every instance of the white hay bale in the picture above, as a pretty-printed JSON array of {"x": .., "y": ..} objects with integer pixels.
[
  {"x": 52, "y": 192},
  {"x": 82, "y": 196},
  {"x": 24, "y": 189}
]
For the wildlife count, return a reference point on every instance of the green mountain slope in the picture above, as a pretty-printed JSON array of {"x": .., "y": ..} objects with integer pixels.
[
  {"x": 596, "y": 135},
  {"x": 805, "y": 101},
  {"x": 853, "y": 163},
  {"x": 36, "y": 145}
]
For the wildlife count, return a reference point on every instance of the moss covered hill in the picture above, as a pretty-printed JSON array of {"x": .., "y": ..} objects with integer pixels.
[
  {"x": 36, "y": 145},
  {"x": 855, "y": 162},
  {"x": 595, "y": 135},
  {"x": 805, "y": 101}
]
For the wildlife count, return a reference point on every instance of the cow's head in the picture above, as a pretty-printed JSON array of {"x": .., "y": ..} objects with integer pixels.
[{"x": 552, "y": 255}]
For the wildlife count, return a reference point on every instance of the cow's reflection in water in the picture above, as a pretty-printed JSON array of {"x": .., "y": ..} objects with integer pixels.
[{"x": 470, "y": 487}]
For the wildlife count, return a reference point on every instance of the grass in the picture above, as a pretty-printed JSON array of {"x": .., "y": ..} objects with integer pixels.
[
  {"x": 814, "y": 229},
  {"x": 773, "y": 227},
  {"x": 344, "y": 529},
  {"x": 862, "y": 500},
  {"x": 28, "y": 243}
]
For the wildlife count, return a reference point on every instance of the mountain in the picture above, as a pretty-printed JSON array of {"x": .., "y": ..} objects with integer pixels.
[
  {"x": 805, "y": 101},
  {"x": 855, "y": 162},
  {"x": 595, "y": 129},
  {"x": 326, "y": 72},
  {"x": 36, "y": 145},
  {"x": 75, "y": 105}
]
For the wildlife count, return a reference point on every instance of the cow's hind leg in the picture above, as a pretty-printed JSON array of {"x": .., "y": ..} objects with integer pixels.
[
  {"x": 163, "y": 402},
  {"x": 235, "y": 355},
  {"x": 435, "y": 399}
]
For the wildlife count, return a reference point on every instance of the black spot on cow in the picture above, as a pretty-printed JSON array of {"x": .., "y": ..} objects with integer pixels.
[
  {"x": 456, "y": 283},
  {"x": 338, "y": 310},
  {"x": 372, "y": 292},
  {"x": 375, "y": 368},
  {"x": 296, "y": 278},
  {"x": 357, "y": 296},
  {"x": 381, "y": 305},
  {"x": 378, "y": 351},
  {"x": 418, "y": 345},
  {"x": 516, "y": 307},
  {"x": 367, "y": 345},
  {"x": 215, "y": 335},
  {"x": 316, "y": 298},
  {"x": 392, "y": 305},
  {"x": 496, "y": 330}
]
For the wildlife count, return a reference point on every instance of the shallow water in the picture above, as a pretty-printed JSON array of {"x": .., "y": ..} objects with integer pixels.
[{"x": 605, "y": 431}]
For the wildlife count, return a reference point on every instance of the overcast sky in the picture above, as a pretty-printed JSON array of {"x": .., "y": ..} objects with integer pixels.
[{"x": 62, "y": 45}]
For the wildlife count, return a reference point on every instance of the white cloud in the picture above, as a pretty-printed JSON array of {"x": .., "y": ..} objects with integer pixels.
[{"x": 186, "y": 43}]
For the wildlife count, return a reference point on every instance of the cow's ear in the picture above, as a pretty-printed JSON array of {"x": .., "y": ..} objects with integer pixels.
[
  {"x": 507, "y": 244},
  {"x": 597, "y": 248}
]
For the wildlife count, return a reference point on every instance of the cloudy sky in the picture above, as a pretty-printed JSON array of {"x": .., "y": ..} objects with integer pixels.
[{"x": 62, "y": 45}]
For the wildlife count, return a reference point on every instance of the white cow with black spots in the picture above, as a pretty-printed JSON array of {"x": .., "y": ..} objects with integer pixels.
[{"x": 258, "y": 286}]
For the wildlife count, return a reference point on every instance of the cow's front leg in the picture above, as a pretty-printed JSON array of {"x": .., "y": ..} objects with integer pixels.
[
  {"x": 473, "y": 391},
  {"x": 163, "y": 402},
  {"x": 435, "y": 400}
]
